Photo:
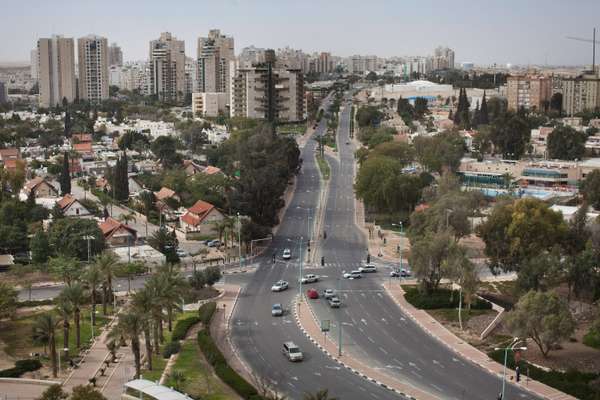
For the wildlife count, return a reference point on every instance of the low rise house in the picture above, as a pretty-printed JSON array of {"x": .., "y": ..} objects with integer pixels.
[
  {"x": 85, "y": 150},
  {"x": 201, "y": 218},
  {"x": 71, "y": 207},
  {"x": 39, "y": 187},
  {"x": 191, "y": 168},
  {"x": 118, "y": 234}
]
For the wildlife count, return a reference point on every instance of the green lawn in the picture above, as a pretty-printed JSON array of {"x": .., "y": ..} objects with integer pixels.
[
  {"x": 451, "y": 314},
  {"x": 324, "y": 167},
  {"x": 17, "y": 334},
  {"x": 158, "y": 362},
  {"x": 200, "y": 379},
  {"x": 293, "y": 129}
]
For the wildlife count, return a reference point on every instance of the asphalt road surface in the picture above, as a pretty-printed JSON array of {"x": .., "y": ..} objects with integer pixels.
[{"x": 259, "y": 337}]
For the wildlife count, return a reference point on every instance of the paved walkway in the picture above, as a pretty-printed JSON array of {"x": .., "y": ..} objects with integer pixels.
[
  {"x": 463, "y": 349},
  {"x": 220, "y": 330},
  {"x": 22, "y": 389}
]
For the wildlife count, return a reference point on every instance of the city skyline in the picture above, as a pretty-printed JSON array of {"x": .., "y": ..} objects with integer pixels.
[{"x": 537, "y": 35}]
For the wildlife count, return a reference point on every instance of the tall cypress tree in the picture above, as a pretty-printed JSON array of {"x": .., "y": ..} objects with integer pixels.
[
  {"x": 459, "y": 108},
  {"x": 121, "y": 186},
  {"x": 65, "y": 176},
  {"x": 484, "y": 117}
]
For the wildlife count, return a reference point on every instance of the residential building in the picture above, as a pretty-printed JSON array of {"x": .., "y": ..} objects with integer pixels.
[
  {"x": 3, "y": 93},
  {"x": 115, "y": 55},
  {"x": 201, "y": 218},
  {"x": 191, "y": 68},
  {"x": 209, "y": 104},
  {"x": 33, "y": 57},
  {"x": 531, "y": 92},
  {"x": 325, "y": 64},
  {"x": 92, "y": 52},
  {"x": 581, "y": 93},
  {"x": 167, "y": 68},
  {"x": 117, "y": 234},
  {"x": 262, "y": 91},
  {"x": 250, "y": 56},
  {"x": 56, "y": 70},
  {"x": 39, "y": 187},
  {"x": 443, "y": 58},
  {"x": 71, "y": 207},
  {"x": 215, "y": 53}
]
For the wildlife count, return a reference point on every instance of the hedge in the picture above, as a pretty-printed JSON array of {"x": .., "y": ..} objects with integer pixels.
[
  {"x": 222, "y": 369},
  {"x": 35, "y": 303},
  {"x": 440, "y": 299},
  {"x": 592, "y": 339},
  {"x": 575, "y": 383},
  {"x": 182, "y": 327},
  {"x": 170, "y": 349},
  {"x": 20, "y": 368},
  {"x": 206, "y": 311}
]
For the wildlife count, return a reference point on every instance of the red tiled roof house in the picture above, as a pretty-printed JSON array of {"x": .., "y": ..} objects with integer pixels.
[{"x": 201, "y": 218}]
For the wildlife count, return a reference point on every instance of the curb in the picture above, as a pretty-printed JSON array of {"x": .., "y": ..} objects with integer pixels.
[{"x": 337, "y": 360}]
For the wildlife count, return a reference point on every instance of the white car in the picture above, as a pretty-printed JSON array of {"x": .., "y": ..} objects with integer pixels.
[
  {"x": 310, "y": 278},
  {"x": 287, "y": 254},
  {"x": 352, "y": 275},
  {"x": 328, "y": 293},
  {"x": 367, "y": 268},
  {"x": 279, "y": 286}
]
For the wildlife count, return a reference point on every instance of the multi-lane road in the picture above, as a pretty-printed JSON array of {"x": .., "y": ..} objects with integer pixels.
[{"x": 374, "y": 329}]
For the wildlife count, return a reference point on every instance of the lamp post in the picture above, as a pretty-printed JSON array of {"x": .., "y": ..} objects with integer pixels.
[
  {"x": 89, "y": 250},
  {"x": 300, "y": 269},
  {"x": 308, "y": 226},
  {"x": 506, "y": 349},
  {"x": 400, "y": 246},
  {"x": 92, "y": 323},
  {"x": 339, "y": 314},
  {"x": 239, "y": 241}
]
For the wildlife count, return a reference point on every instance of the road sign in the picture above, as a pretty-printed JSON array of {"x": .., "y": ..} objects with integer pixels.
[{"x": 325, "y": 325}]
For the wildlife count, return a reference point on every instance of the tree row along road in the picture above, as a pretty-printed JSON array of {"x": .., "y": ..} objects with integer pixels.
[
  {"x": 259, "y": 337},
  {"x": 374, "y": 328}
]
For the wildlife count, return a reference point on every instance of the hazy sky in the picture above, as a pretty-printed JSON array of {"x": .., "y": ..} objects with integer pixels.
[{"x": 483, "y": 31}]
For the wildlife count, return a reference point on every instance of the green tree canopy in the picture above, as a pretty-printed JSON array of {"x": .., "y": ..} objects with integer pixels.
[
  {"x": 590, "y": 188},
  {"x": 544, "y": 317},
  {"x": 565, "y": 143},
  {"x": 66, "y": 236},
  {"x": 510, "y": 135},
  {"x": 440, "y": 152}
]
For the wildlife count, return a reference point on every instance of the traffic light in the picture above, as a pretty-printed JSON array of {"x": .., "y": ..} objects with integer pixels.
[
  {"x": 368, "y": 258},
  {"x": 322, "y": 261}
]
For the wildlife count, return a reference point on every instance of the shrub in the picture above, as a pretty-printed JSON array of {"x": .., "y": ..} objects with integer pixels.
[
  {"x": 170, "y": 349},
  {"x": 225, "y": 372},
  {"x": 441, "y": 298},
  {"x": 206, "y": 311},
  {"x": 35, "y": 303},
  {"x": 592, "y": 339},
  {"x": 572, "y": 382},
  {"x": 182, "y": 327},
  {"x": 20, "y": 368}
]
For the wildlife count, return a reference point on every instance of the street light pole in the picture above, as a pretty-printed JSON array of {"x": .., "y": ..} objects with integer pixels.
[
  {"x": 508, "y": 348},
  {"x": 339, "y": 314},
  {"x": 89, "y": 251},
  {"x": 239, "y": 241}
]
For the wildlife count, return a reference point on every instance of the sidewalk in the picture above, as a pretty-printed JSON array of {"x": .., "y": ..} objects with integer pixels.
[
  {"x": 307, "y": 322},
  {"x": 463, "y": 349},
  {"x": 220, "y": 330}
]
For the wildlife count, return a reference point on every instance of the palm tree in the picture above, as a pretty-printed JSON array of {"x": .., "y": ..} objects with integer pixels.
[
  {"x": 65, "y": 309},
  {"x": 177, "y": 378},
  {"x": 154, "y": 286},
  {"x": 173, "y": 284},
  {"x": 107, "y": 263},
  {"x": 220, "y": 227},
  {"x": 74, "y": 295},
  {"x": 45, "y": 327},
  {"x": 322, "y": 394},
  {"x": 93, "y": 277},
  {"x": 144, "y": 303},
  {"x": 129, "y": 328},
  {"x": 126, "y": 218}
]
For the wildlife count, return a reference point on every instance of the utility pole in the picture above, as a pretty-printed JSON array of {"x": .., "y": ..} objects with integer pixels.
[
  {"x": 239, "y": 241},
  {"x": 339, "y": 314}
]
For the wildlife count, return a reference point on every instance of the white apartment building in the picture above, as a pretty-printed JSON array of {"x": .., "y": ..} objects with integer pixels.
[
  {"x": 56, "y": 69},
  {"x": 209, "y": 104},
  {"x": 93, "y": 68},
  {"x": 215, "y": 53}
]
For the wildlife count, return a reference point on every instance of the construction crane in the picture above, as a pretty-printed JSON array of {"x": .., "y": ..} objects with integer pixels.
[{"x": 593, "y": 41}]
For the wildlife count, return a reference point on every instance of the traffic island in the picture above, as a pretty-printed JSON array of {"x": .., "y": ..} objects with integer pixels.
[
  {"x": 309, "y": 325},
  {"x": 430, "y": 325}
]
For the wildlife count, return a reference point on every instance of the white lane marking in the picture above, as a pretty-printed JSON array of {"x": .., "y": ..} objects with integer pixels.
[
  {"x": 436, "y": 362},
  {"x": 393, "y": 367},
  {"x": 295, "y": 378},
  {"x": 414, "y": 373},
  {"x": 412, "y": 364},
  {"x": 436, "y": 387},
  {"x": 398, "y": 361},
  {"x": 364, "y": 321},
  {"x": 333, "y": 367},
  {"x": 370, "y": 340},
  {"x": 384, "y": 351},
  {"x": 317, "y": 373}
]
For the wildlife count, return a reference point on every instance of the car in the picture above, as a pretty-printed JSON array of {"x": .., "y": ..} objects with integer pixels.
[
  {"x": 352, "y": 275},
  {"x": 292, "y": 352},
  {"x": 287, "y": 254},
  {"x": 328, "y": 293},
  {"x": 367, "y": 268},
  {"x": 214, "y": 243},
  {"x": 279, "y": 286},
  {"x": 312, "y": 294},
  {"x": 276, "y": 310},
  {"x": 334, "y": 302},
  {"x": 181, "y": 253},
  {"x": 310, "y": 278},
  {"x": 397, "y": 273}
]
